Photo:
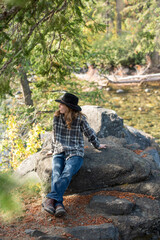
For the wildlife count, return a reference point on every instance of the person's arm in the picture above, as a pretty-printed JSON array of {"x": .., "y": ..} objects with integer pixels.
[
  {"x": 91, "y": 135},
  {"x": 50, "y": 152}
]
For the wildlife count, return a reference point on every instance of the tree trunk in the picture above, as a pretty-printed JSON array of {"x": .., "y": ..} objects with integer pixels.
[
  {"x": 25, "y": 88},
  {"x": 155, "y": 59},
  {"x": 119, "y": 8},
  {"x": 107, "y": 17}
]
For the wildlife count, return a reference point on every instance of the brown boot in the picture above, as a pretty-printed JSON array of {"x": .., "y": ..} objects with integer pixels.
[
  {"x": 60, "y": 211},
  {"x": 48, "y": 205}
]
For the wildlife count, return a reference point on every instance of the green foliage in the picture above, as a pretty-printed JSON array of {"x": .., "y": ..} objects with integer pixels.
[
  {"x": 10, "y": 204},
  {"x": 19, "y": 148},
  {"x": 110, "y": 52},
  {"x": 42, "y": 36},
  {"x": 12, "y": 194},
  {"x": 29, "y": 188},
  {"x": 138, "y": 36},
  {"x": 142, "y": 20}
]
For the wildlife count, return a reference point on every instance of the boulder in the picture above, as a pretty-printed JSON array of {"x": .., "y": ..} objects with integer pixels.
[
  {"x": 95, "y": 232},
  {"x": 133, "y": 135},
  {"x": 27, "y": 169},
  {"x": 111, "y": 205},
  {"x": 106, "y": 231},
  {"x": 118, "y": 166},
  {"x": 140, "y": 218},
  {"x": 104, "y": 121},
  {"x": 109, "y": 167}
]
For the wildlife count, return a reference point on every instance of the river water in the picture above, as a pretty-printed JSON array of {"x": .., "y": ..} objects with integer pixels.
[{"x": 140, "y": 108}]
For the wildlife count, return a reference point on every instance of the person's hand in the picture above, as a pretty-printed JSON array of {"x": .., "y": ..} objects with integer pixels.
[
  {"x": 101, "y": 146},
  {"x": 49, "y": 153}
]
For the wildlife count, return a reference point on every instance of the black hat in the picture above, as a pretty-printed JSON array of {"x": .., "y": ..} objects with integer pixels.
[{"x": 70, "y": 101}]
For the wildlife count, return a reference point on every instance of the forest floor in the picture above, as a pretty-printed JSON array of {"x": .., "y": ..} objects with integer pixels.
[{"x": 35, "y": 218}]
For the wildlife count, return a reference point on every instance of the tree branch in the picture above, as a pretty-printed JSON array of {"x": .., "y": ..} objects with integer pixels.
[
  {"x": 10, "y": 13},
  {"x": 45, "y": 18},
  {"x": 52, "y": 41},
  {"x": 42, "y": 20},
  {"x": 2, "y": 69},
  {"x": 60, "y": 40}
]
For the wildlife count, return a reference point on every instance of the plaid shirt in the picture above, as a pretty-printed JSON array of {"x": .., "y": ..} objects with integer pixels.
[{"x": 71, "y": 140}]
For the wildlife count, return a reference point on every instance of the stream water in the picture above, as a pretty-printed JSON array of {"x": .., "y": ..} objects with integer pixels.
[{"x": 139, "y": 107}]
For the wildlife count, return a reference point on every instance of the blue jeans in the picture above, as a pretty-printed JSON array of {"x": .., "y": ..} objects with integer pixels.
[{"x": 62, "y": 173}]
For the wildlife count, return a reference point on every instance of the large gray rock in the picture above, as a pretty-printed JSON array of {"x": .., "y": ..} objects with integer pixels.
[
  {"x": 115, "y": 166},
  {"x": 142, "y": 222},
  {"x": 95, "y": 232},
  {"x": 27, "y": 169},
  {"x": 106, "y": 231},
  {"x": 133, "y": 135},
  {"x": 111, "y": 205},
  {"x": 104, "y": 121}
]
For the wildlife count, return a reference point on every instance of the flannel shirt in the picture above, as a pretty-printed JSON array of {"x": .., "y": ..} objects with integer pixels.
[{"x": 71, "y": 141}]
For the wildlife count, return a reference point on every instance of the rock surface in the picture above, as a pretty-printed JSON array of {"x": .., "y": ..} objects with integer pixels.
[
  {"x": 103, "y": 232},
  {"x": 131, "y": 163},
  {"x": 143, "y": 222},
  {"x": 115, "y": 167},
  {"x": 104, "y": 121},
  {"x": 111, "y": 205},
  {"x": 107, "y": 123},
  {"x": 129, "y": 216}
]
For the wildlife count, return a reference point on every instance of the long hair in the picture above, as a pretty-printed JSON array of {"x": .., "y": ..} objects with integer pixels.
[{"x": 69, "y": 116}]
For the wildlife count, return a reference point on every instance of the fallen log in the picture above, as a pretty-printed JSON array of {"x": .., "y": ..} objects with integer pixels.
[{"x": 135, "y": 79}]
